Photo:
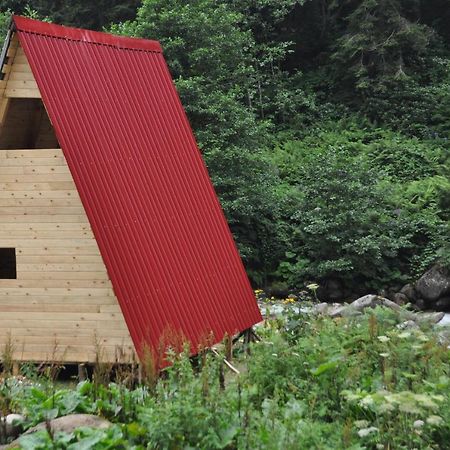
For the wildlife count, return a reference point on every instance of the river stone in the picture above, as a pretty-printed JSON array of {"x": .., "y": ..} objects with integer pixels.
[
  {"x": 421, "y": 304},
  {"x": 11, "y": 424},
  {"x": 400, "y": 299},
  {"x": 321, "y": 308},
  {"x": 429, "y": 318},
  {"x": 434, "y": 283},
  {"x": 409, "y": 291},
  {"x": 65, "y": 424},
  {"x": 443, "y": 304},
  {"x": 372, "y": 301}
]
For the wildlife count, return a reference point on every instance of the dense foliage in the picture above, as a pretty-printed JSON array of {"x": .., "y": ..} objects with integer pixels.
[
  {"x": 312, "y": 383},
  {"x": 325, "y": 125}
]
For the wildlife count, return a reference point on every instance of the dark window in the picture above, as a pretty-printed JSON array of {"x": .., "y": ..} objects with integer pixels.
[
  {"x": 26, "y": 126},
  {"x": 8, "y": 263}
]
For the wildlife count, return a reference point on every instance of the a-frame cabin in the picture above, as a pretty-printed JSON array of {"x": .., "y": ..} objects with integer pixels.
[{"x": 110, "y": 230}]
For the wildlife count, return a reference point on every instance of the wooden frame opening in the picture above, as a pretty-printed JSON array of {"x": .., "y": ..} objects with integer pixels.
[{"x": 27, "y": 126}]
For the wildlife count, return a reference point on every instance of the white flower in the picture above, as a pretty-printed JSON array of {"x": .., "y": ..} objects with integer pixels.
[
  {"x": 366, "y": 401},
  {"x": 366, "y": 431},
  {"x": 418, "y": 423},
  {"x": 404, "y": 335},
  {"x": 361, "y": 423},
  {"x": 384, "y": 355},
  {"x": 434, "y": 420},
  {"x": 383, "y": 339}
]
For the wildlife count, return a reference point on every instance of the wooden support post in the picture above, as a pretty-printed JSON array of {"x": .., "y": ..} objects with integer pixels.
[
  {"x": 81, "y": 372},
  {"x": 140, "y": 374},
  {"x": 15, "y": 369},
  {"x": 228, "y": 343}
]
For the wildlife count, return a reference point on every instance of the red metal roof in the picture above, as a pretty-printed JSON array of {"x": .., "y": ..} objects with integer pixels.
[{"x": 145, "y": 188}]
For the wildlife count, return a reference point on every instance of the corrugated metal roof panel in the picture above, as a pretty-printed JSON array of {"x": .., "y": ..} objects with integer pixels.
[{"x": 145, "y": 188}]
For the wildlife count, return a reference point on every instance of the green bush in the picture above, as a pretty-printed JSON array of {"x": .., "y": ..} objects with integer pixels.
[{"x": 366, "y": 206}]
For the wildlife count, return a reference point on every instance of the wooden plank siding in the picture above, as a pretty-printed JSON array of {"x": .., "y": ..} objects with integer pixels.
[{"x": 62, "y": 305}]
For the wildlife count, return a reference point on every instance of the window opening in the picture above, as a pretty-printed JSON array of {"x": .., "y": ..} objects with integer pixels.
[{"x": 8, "y": 268}]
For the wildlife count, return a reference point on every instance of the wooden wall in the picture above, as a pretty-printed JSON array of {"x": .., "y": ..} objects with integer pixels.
[{"x": 62, "y": 305}]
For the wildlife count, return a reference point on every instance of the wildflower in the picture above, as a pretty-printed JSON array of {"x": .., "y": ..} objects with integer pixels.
[
  {"x": 434, "y": 420},
  {"x": 361, "y": 423},
  {"x": 367, "y": 401},
  {"x": 383, "y": 339},
  {"x": 384, "y": 355},
  {"x": 404, "y": 335},
  {"x": 418, "y": 423},
  {"x": 312, "y": 286},
  {"x": 366, "y": 431}
]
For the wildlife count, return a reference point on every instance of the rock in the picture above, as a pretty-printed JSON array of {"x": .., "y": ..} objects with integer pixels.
[
  {"x": 400, "y": 299},
  {"x": 409, "y": 291},
  {"x": 64, "y": 424},
  {"x": 321, "y": 308},
  {"x": 362, "y": 303},
  {"x": 434, "y": 283},
  {"x": 372, "y": 301},
  {"x": 445, "y": 322},
  {"x": 443, "y": 304},
  {"x": 408, "y": 325},
  {"x": 429, "y": 318},
  {"x": 11, "y": 425},
  {"x": 337, "y": 311},
  {"x": 421, "y": 304},
  {"x": 67, "y": 424}
]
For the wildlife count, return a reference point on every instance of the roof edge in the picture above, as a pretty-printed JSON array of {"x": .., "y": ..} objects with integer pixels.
[{"x": 27, "y": 25}]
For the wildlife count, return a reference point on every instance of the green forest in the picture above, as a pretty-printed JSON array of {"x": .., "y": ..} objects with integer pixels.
[
  {"x": 324, "y": 124},
  {"x": 325, "y": 127}
]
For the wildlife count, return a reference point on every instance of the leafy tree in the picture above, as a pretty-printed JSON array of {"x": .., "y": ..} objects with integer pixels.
[
  {"x": 78, "y": 13},
  {"x": 5, "y": 18}
]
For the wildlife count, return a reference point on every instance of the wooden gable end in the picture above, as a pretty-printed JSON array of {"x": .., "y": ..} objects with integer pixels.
[{"x": 61, "y": 305}]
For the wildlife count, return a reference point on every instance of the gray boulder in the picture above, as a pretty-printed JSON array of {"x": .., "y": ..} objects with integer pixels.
[
  {"x": 443, "y": 304},
  {"x": 372, "y": 301},
  {"x": 65, "y": 424},
  {"x": 359, "y": 305},
  {"x": 429, "y": 318},
  {"x": 421, "y": 304},
  {"x": 11, "y": 425},
  {"x": 409, "y": 291},
  {"x": 400, "y": 299},
  {"x": 434, "y": 283}
]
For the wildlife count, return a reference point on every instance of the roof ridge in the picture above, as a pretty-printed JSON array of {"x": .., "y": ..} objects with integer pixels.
[{"x": 38, "y": 27}]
